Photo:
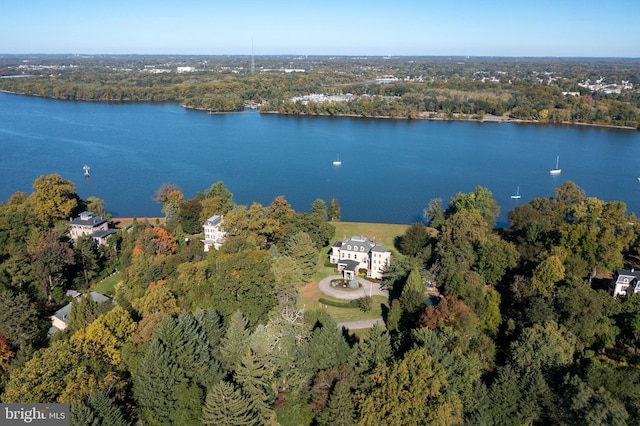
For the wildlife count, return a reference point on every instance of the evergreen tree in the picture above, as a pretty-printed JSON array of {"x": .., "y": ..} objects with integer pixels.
[
  {"x": 334, "y": 210},
  {"x": 412, "y": 297},
  {"x": 373, "y": 350},
  {"x": 341, "y": 406},
  {"x": 234, "y": 344},
  {"x": 319, "y": 209},
  {"x": 105, "y": 411},
  {"x": 327, "y": 347},
  {"x": 176, "y": 366},
  {"x": 253, "y": 380},
  {"x": 300, "y": 247},
  {"x": 226, "y": 405},
  {"x": 83, "y": 312}
]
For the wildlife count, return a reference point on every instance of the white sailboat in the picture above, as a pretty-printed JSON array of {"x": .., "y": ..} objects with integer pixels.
[
  {"x": 516, "y": 196},
  {"x": 337, "y": 162},
  {"x": 557, "y": 170}
]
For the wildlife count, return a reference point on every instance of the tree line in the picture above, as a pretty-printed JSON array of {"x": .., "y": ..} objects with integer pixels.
[
  {"x": 523, "y": 330},
  {"x": 532, "y": 90}
]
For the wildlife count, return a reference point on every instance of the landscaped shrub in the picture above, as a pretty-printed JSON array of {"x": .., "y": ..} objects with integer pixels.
[
  {"x": 351, "y": 304},
  {"x": 364, "y": 303}
]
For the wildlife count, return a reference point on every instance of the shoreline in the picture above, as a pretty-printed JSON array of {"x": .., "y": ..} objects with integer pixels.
[{"x": 421, "y": 116}]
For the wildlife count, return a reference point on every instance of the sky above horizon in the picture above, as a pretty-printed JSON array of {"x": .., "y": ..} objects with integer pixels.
[{"x": 559, "y": 28}]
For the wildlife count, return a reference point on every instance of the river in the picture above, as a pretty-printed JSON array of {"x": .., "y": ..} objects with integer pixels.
[{"x": 390, "y": 168}]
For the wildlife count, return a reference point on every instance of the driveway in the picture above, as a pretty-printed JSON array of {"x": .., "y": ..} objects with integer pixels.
[{"x": 367, "y": 289}]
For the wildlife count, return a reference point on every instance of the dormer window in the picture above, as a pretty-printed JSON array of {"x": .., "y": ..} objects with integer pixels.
[
  {"x": 362, "y": 248},
  {"x": 349, "y": 247}
]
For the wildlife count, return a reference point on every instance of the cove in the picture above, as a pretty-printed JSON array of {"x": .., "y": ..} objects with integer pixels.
[{"x": 390, "y": 168}]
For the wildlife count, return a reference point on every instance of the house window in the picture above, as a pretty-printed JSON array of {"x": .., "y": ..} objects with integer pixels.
[
  {"x": 361, "y": 248},
  {"x": 349, "y": 247}
]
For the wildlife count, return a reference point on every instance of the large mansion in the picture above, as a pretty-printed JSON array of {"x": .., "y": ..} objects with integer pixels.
[
  {"x": 95, "y": 227},
  {"x": 213, "y": 233},
  {"x": 625, "y": 282},
  {"x": 351, "y": 255}
]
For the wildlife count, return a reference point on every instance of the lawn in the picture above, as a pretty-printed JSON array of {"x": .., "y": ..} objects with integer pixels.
[
  {"x": 382, "y": 233},
  {"x": 108, "y": 285}
]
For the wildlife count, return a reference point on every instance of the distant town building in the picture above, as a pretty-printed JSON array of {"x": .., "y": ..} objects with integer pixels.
[
  {"x": 213, "y": 234},
  {"x": 351, "y": 255},
  {"x": 185, "y": 69},
  {"x": 94, "y": 226}
]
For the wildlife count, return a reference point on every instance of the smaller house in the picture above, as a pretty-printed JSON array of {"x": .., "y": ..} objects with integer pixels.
[
  {"x": 214, "y": 236},
  {"x": 60, "y": 318},
  {"x": 625, "y": 282},
  {"x": 94, "y": 226},
  {"x": 355, "y": 253}
]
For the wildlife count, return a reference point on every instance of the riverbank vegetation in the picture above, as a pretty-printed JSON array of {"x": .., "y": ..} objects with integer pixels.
[
  {"x": 524, "y": 332},
  {"x": 544, "y": 90}
]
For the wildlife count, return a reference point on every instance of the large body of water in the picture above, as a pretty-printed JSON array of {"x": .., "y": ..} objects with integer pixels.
[{"x": 390, "y": 169}]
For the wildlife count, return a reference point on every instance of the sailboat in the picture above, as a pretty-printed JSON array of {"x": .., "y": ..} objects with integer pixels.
[
  {"x": 557, "y": 170},
  {"x": 516, "y": 196},
  {"x": 337, "y": 162}
]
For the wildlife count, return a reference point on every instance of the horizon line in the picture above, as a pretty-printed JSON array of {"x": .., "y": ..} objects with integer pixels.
[{"x": 324, "y": 55}]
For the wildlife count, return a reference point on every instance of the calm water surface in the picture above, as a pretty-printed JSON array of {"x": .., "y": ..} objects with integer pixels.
[{"x": 390, "y": 169}]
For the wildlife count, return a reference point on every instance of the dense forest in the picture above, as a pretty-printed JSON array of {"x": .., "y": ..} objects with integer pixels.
[
  {"x": 544, "y": 90},
  {"x": 523, "y": 332}
]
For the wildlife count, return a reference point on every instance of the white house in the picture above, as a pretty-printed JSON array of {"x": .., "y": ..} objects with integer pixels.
[
  {"x": 624, "y": 282},
  {"x": 213, "y": 234},
  {"x": 355, "y": 253},
  {"x": 96, "y": 227}
]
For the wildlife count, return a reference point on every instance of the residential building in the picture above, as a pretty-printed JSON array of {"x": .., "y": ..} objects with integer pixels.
[
  {"x": 213, "y": 234},
  {"x": 625, "y": 282},
  {"x": 356, "y": 253},
  {"x": 60, "y": 318},
  {"x": 94, "y": 226}
]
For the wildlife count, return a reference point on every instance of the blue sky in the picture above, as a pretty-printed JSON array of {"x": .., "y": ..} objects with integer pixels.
[{"x": 323, "y": 27}]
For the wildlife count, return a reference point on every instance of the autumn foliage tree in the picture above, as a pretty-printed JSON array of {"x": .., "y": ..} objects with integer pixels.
[{"x": 450, "y": 311}]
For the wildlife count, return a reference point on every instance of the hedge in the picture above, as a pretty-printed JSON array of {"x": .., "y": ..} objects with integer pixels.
[{"x": 351, "y": 304}]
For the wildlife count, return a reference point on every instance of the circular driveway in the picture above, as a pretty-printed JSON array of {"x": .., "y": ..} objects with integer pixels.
[{"x": 367, "y": 288}]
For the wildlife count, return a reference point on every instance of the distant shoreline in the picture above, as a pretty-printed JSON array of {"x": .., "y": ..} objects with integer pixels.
[{"x": 488, "y": 118}]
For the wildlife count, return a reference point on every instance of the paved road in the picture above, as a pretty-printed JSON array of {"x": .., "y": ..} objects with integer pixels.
[
  {"x": 354, "y": 325},
  {"x": 367, "y": 288}
]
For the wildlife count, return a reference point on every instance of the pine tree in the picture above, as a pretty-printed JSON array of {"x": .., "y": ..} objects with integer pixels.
[
  {"x": 327, "y": 347},
  {"x": 83, "y": 312},
  {"x": 235, "y": 342},
  {"x": 372, "y": 351},
  {"x": 81, "y": 414},
  {"x": 341, "y": 407},
  {"x": 105, "y": 410},
  {"x": 334, "y": 210},
  {"x": 177, "y": 364},
  {"x": 412, "y": 296},
  {"x": 226, "y": 405},
  {"x": 253, "y": 380},
  {"x": 300, "y": 247}
]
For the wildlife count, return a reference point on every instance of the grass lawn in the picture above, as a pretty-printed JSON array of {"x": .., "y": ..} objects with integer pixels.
[
  {"x": 108, "y": 285},
  {"x": 382, "y": 233},
  {"x": 385, "y": 234}
]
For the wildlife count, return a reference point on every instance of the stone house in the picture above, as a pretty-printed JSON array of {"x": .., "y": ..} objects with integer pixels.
[
  {"x": 94, "y": 226},
  {"x": 358, "y": 252}
]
